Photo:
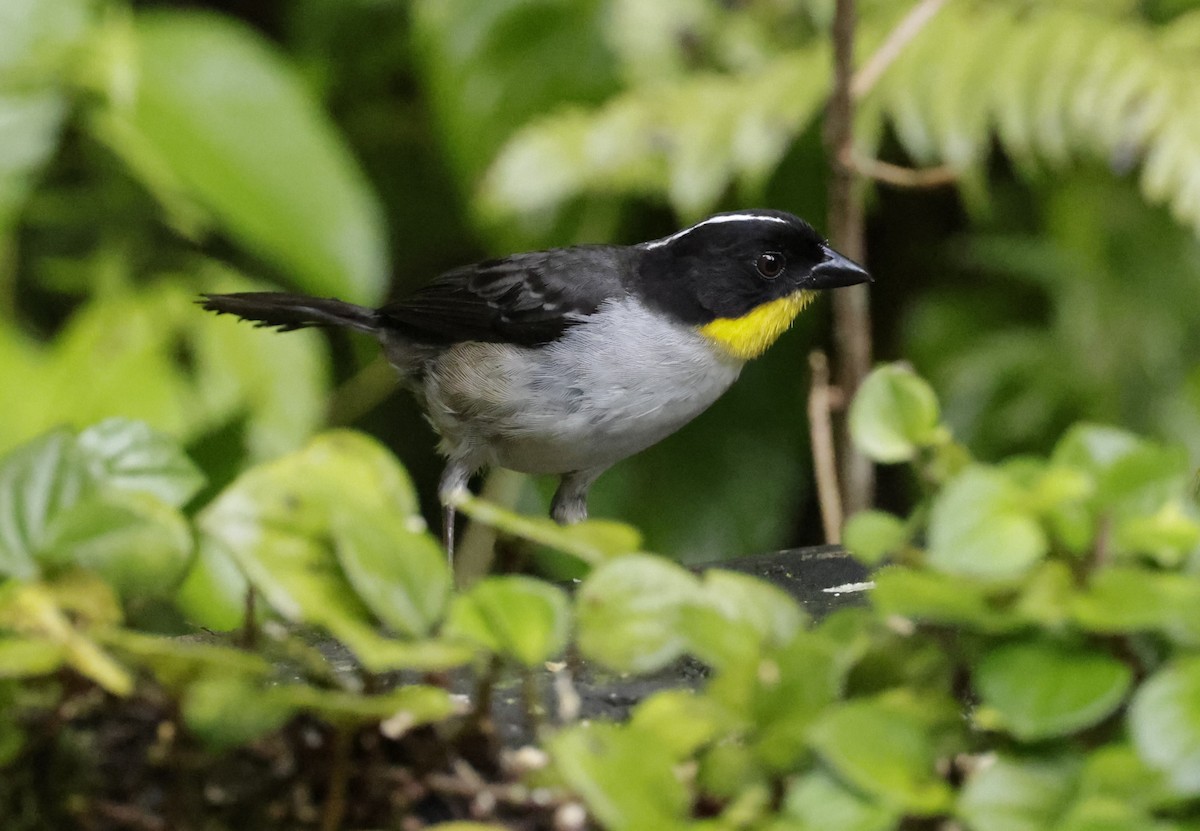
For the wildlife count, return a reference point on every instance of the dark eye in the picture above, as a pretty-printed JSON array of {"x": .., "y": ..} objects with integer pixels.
[{"x": 769, "y": 264}]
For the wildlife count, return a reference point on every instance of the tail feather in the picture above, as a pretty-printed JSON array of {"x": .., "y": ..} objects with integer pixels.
[{"x": 291, "y": 311}]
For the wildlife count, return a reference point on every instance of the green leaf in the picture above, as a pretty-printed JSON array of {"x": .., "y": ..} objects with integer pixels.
[
  {"x": 1126, "y": 599},
  {"x": 1164, "y": 722},
  {"x": 38, "y": 481},
  {"x": 780, "y": 691},
  {"x": 769, "y": 612},
  {"x": 628, "y": 612},
  {"x": 937, "y": 598},
  {"x": 36, "y": 43},
  {"x": 626, "y": 778},
  {"x": 519, "y": 617},
  {"x": 177, "y": 663},
  {"x": 894, "y": 414},
  {"x": 1012, "y": 794},
  {"x": 397, "y": 568},
  {"x": 1044, "y": 689},
  {"x": 231, "y": 121},
  {"x": 680, "y": 721},
  {"x": 139, "y": 544},
  {"x": 280, "y": 522},
  {"x": 1168, "y": 535},
  {"x": 822, "y": 803},
  {"x": 130, "y": 456},
  {"x": 978, "y": 527},
  {"x": 225, "y": 711},
  {"x": 872, "y": 535},
  {"x": 29, "y": 657},
  {"x": 884, "y": 753},
  {"x": 593, "y": 541},
  {"x": 213, "y": 592}
]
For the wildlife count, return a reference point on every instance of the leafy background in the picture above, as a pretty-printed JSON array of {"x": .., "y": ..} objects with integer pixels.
[{"x": 354, "y": 147}]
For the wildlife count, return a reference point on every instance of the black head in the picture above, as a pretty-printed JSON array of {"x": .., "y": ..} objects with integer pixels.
[{"x": 731, "y": 263}]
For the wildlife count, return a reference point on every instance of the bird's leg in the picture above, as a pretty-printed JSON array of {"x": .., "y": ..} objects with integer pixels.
[
  {"x": 570, "y": 500},
  {"x": 454, "y": 479}
]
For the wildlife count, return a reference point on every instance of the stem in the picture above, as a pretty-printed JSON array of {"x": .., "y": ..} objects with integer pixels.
[
  {"x": 851, "y": 307},
  {"x": 821, "y": 401},
  {"x": 339, "y": 775}
]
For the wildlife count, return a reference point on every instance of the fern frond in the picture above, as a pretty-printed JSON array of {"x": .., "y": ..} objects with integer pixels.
[
  {"x": 1053, "y": 85},
  {"x": 689, "y": 140}
]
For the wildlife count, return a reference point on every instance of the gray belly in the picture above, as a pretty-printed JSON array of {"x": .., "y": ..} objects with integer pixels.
[{"x": 588, "y": 400}]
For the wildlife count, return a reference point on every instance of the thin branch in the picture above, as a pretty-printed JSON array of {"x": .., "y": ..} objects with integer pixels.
[
  {"x": 907, "y": 29},
  {"x": 822, "y": 400},
  {"x": 903, "y": 177},
  {"x": 851, "y": 306}
]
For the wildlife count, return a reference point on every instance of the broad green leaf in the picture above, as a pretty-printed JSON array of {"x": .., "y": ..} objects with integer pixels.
[
  {"x": 740, "y": 598},
  {"x": 979, "y": 527},
  {"x": 519, "y": 617},
  {"x": 139, "y": 544},
  {"x": 397, "y": 568},
  {"x": 780, "y": 692},
  {"x": 680, "y": 721},
  {"x": 937, "y": 598},
  {"x": 231, "y": 121},
  {"x": 213, "y": 592},
  {"x": 224, "y": 711},
  {"x": 1125, "y": 599},
  {"x": 131, "y": 456},
  {"x": 884, "y": 753},
  {"x": 280, "y": 521},
  {"x": 872, "y": 535},
  {"x": 1164, "y": 722},
  {"x": 38, "y": 482},
  {"x": 628, "y": 612},
  {"x": 1168, "y": 535},
  {"x": 626, "y": 778},
  {"x": 36, "y": 44},
  {"x": 894, "y": 414},
  {"x": 29, "y": 657},
  {"x": 822, "y": 803},
  {"x": 1043, "y": 689},
  {"x": 1012, "y": 794},
  {"x": 1116, "y": 772}
]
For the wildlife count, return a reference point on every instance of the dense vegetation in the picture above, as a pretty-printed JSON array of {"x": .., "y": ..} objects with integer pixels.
[{"x": 1029, "y": 656}]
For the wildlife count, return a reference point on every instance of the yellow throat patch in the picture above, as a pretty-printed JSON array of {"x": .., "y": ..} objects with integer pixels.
[{"x": 751, "y": 334}]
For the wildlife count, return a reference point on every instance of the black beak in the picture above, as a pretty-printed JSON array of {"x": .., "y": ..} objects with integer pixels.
[{"x": 837, "y": 271}]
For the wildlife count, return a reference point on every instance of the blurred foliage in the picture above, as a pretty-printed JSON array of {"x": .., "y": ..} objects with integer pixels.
[
  {"x": 358, "y": 148},
  {"x": 1027, "y": 657}
]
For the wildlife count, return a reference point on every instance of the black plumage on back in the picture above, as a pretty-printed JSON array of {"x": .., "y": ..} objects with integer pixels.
[{"x": 527, "y": 299}]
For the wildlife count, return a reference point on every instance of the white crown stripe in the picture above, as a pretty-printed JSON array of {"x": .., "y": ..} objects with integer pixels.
[{"x": 713, "y": 220}]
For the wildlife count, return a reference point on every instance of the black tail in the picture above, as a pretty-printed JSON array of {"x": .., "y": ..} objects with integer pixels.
[{"x": 291, "y": 311}]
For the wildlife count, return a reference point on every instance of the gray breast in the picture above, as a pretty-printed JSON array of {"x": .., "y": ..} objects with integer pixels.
[{"x": 609, "y": 388}]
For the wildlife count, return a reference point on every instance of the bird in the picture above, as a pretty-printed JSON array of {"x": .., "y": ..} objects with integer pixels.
[{"x": 566, "y": 361}]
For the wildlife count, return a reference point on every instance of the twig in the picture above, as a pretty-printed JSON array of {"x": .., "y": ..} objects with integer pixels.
[
  {"x": 851, "y": 306},
  {"x": 339, "y": 775},
  {"x": 897, "y": 39},
  {"x": 822, "y": 400},
  {"x": 903, "y": 177},
  {"x": 249, "y": 636},
  {"x": 476, "y": 553}
]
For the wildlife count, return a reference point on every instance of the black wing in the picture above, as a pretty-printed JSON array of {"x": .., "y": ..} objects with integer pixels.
[{"x": 529, "y": 299}]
